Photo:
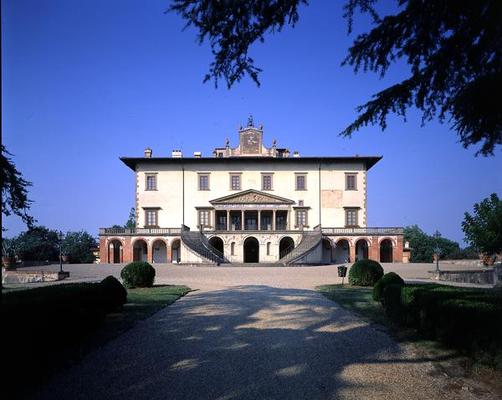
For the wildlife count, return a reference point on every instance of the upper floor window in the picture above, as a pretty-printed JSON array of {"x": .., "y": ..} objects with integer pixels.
[
  {"x": 301, "y": 182},
  {"x": 350, "y": 181},
  {"x": 203, "y": 181},
  {"x": 301, "y": 218},
  {"x": 151, "y": 217},
  {"x": 266, "y": 182},
  {"x": 151, "y": 182},
  {"x": 204, "y": 218},
  {"x": 351, "y": 217},
  {"x": 235, "y": 182}
]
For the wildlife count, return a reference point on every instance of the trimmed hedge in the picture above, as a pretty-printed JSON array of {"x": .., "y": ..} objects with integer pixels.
[
  {"x": 468, "y": 319},
  {"x": 390, "y": 278},
  {"x": 365, "y": 273},
  {"x": 138, "y": 274},
  {"x": 49, "y": 326},
  {"x": 115, "y": 294}
]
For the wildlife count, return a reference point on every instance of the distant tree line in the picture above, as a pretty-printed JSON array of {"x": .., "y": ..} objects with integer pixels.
[
  {"x": 39, "y": 243},
  {"x": 423, "y": 246}
]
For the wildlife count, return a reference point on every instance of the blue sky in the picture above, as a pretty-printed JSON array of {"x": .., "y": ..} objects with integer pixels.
[{"x": 85, "y": 82}]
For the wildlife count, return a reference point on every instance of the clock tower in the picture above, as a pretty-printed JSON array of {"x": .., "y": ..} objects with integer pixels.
[{"x": 250, "y": 139}]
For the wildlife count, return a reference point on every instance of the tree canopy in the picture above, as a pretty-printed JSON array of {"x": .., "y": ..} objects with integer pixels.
[
  {"x": 453, "y": 48},
  {"x": 483, "y": 229},
  {"x": 423, "y": 246},
  {"x": 14, "y": 190}
]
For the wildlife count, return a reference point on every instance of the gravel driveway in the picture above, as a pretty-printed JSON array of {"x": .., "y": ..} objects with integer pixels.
[{"x": 253, "y": 342}]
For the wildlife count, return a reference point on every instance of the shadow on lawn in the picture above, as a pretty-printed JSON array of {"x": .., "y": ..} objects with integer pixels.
[{"x": 245, "y": 342}]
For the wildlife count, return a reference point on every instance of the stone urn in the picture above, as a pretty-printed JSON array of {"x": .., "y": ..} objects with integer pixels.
[{"x": 487, "y": 259}]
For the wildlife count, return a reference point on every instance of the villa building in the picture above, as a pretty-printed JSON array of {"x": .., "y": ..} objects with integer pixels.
[{"x": 251, "y": 204}]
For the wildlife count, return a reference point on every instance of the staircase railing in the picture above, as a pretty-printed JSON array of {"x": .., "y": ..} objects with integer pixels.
[
  {"x": 310, "y": 240},
  {"x": 198, "y": 243}
]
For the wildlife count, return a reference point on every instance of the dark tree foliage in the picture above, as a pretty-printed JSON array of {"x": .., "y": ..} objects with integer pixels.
[
  {"x": 483, "y": 229},
  {"x": 423, "y": 246},
  {"x": 452, "y": 46},
  {"x": 38, "y": 244},
  {"x": 14, "y": 190},
  {"x": 231, "y": 27},
  {"x": 79, "y": 247},
  {"x": 131, "y": 221}
]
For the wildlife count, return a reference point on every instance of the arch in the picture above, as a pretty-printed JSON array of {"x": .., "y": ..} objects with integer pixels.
[
  {"x": 326, "y": 251},
  {"x": 217, "y": 243},
  {"x": 159, "y": 251},
  {"x": 251, "y": 250},
  {"x": 115, "y": 250},
  {"x": 286, "y": 245},
  {"x": 362, "y": 249},
  {"x": 176, "y": 251},
  {"x": 386, "y": 249},
  {"x": 342, "y": 251},
  {"x": 140, "y": 250}
]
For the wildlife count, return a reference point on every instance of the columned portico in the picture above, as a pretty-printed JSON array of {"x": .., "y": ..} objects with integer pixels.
[{"x": 252, "y": 210}]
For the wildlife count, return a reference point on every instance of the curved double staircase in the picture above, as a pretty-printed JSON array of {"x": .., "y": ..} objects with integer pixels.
[
  {"x": 198, "y": 243},
  {"x": 309, "y": 242}
]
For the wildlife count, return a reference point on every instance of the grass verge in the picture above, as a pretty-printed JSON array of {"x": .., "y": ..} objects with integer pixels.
[
  {"x": 65, "y": 342},
  {"x": 450, "y": 362}
]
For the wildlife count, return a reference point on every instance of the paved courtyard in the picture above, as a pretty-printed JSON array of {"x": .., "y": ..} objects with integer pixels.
[
  {"x": 211, "y": 277},
  {"x": 250, "y": 333}
]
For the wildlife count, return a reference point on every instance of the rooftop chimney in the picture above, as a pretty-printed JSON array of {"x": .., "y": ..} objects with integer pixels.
[
  {"x": 197, "y": 154},
  {"x": 148, "y": 152},
  {"x": 176, "y": 154}
]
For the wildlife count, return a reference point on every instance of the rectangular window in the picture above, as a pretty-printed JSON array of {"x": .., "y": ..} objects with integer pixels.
[
  {"x": 151, "y": 182},
  {"x": 235, "y": 182},
  {"x": 204, "y": 218},
  {"x": 351, "y": 217},
  {"x": 151, "y": 218},
  {"x": 266, "y": 182},
  {"x": 301, "y": 218},
  {"x": 301, "y": 182},
  {"x": 350, "y": 182},
  {"x": 203, "y": 181}
]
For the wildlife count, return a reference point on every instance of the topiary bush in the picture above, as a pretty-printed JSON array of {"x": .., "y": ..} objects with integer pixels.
[
  {"x": 390, "y": 278},
  {"x": 391, "y": 300},
  {"x": 365, "y": 273},
  {"x": 114, "y": 294},
  {"x": 138, "y": 274}
]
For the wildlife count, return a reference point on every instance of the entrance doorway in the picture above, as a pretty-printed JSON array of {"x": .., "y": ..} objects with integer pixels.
[
  {"x": 285, "y": 246},
  {"x": 175, "y": 251},
  {"x": 251, "y": 250},
  {"x": 217, "y": 243},
  {"x": 386, "y": 251}
]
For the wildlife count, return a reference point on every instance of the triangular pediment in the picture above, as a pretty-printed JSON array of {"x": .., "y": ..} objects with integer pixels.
[{"x": 251, "y": 196}]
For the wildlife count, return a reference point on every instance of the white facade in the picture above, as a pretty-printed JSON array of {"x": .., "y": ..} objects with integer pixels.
[{"x": 253, "y": 204}]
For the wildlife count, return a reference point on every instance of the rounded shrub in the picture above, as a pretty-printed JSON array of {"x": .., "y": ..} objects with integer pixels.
[
  {"x": 365, "y": 273},
  {"x": 138, "y": 274},
  {"x": 114, "y": 294},
  {"x": 390, "y": 278},
  {"x": 391, "y": 300}
]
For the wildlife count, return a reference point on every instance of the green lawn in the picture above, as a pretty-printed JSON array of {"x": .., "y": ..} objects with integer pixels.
[
  {"x": 449, "y": 361},
  {"x": 65, "y": 343},
  {"x": 141, "y": 303},
  {"x": 356, "y": 299}
]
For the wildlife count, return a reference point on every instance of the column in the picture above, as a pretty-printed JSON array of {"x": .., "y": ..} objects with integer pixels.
[
  {"x": 242, "y": 220},
  {"x": 259, "y": 220},
  {"x": 228, "y": 220},
  {"x": 273, "y": 220},
  {"x": 352, "y": 251}
]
